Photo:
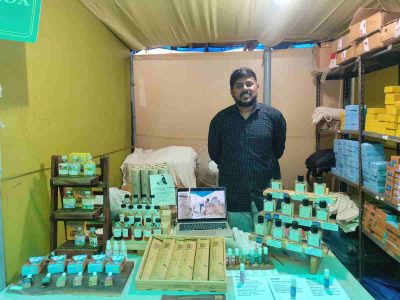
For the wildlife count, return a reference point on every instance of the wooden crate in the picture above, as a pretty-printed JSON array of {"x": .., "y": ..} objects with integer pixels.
[{"x": 178, "y": 285}]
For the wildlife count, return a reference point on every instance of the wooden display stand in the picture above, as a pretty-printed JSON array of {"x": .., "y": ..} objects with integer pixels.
[{"x": 100, "y": 214}]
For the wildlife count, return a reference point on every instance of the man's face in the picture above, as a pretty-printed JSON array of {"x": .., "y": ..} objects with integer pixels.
[{"x": 245, "y": 91}]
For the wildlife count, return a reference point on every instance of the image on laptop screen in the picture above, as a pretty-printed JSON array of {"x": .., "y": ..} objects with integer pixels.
[{"x": 201, "y": 204}]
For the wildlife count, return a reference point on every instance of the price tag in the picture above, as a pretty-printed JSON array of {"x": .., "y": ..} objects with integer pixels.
[
  {"x": 304, "y": 222},
  {"x": 330, "y": 226},
  {"x": 366, "y": 45},
  {"x": 314, "y": 251},
  {"x": 277, "y": 195},
  {"x": 299, "y": 197},
  {"x": 294, "y": 247},
  {"x": 274, "y": 243},
  {"x": 363, "y": 27},
  {"x": 286, "y": 219}
]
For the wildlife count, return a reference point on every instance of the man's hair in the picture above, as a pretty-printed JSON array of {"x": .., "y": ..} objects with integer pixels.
[{"x": 240, "y": 73}]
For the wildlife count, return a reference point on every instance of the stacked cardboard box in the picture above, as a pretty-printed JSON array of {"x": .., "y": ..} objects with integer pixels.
[
  {"x": 390, "y": 33},
  {"x": 372, "y": 122},
  {"x": 392, "y": 187},
  {"x": 322, "y": 56},
  {"x": 393, "y": 236},
  {"x": 373, "y": 166},
  {"x": 392, "y": 102},
  {"x": 346, "y": 155}
]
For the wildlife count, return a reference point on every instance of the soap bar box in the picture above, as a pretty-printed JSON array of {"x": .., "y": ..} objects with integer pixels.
[
  {"x": 77, "y": 264},
  {"x": 97, "y": 263},
  {"x": 33, "y": 266},
  {"x": 57, "y": 264},
  {"x": 116, "y": 264}
]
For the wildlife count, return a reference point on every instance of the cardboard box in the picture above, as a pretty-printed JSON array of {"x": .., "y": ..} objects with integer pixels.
[
  {"x": 392, "y": 89},
  {"x": 322, "y": 56},
  {"x": 33, "y": 266},
  {"x": 345, "y": 55},
  {"x": 57, "y": 264},
  {"x": 97, "y": 263},
  {"x": 369, "y": 43},
  {"x": 390, "y": 32},
  {"x": 341, "y": 43},
  {"x": 116, "y": 264},
  {"x": 369, "y": 20},
  {"x": 77, "y": 264},
  {"x": 396, "y": 161}
]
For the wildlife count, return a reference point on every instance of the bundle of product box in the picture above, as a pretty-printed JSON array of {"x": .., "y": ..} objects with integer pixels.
[
  {"x": 351, "y": 117},
  {"x": 392, "y": 187},
  {"x": 373, "y": 166},
  {"x": 346, "y": 155},
  {"x": 383, "y": 226}
]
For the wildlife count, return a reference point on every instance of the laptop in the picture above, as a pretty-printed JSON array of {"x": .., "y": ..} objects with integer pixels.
[{"x": 202, "y": 212}]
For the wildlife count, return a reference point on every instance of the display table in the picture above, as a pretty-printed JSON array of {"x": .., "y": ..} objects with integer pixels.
[{"x": 283, "y": 263}]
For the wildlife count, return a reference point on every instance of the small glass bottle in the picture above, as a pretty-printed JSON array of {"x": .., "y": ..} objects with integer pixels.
[
  {"x": 261, "y": 227},
  {"x": 139, "y": 213},
  {"x": 131, "y": 214},
  {"x": 314, "y": 237},
  {"x": 259, "y": 256},
  {"x": 117, "y": 229},
  {"x": 276, "y": 184},
  {"x": 287, "y": 206},
  {"x": 300, "y": 185},
  {"x": 144, "y": 199},
  {"x": 229, "y": 257},
  {"x": 305, "y": 210},
  {"x": 89, "y": 168},
  {"x": 322, "y": 211},
  {"x": 277, "y": 230},
  {"x": 148, "y": 229},
  {"x": 127, "y": 199},
  {"x": 157, "y": 230},
  {"x": 122, "y": 211},
  {"x": 74, "y": 167},
  {"x": 88, "y": 201},
  {"x": 147, "y": 213},
  {"x": 108, "y": 250},
  {"x": 156, "y": 212},
  {"x": 69, "y": 201},
  {"x": 265, "y": 256},
  {"x": 252, "y": 256},
  {"x": 269, "y": 204},
  {"x": 237, "y": 256},
  {"x": 123, "y": 251},
  {"x": 126, "y": 230},
  {"x": 245, "y": 257},
  {"x": 319, "y": 187},
  {"x": 295, "y": 233},
  {"x": 93, "y": 242},
  {"x": 63, "y": 166},
  {"x": 137, "y": 229},
  {"x": 79, "y": 237},
  {"x": 135, "y": 199}
]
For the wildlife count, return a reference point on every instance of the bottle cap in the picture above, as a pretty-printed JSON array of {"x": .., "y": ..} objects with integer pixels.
[
  {"x": 326, "y": 272},
  {"x": 156, "y": 206},
  {"x": 278, "y": 222},
  {"x": 148, "y": 220},
  {"x": 242, "y": 267},
  {"x": 126, "y": 219},
  {"x": 295, "y": 225},
  {"x": 260, "y": 219},
  {"x": 130, "y": 206},
  {"x": 265, "y": 250},
  {"x": 305, "y": 202},
  {"x": 135, "y": 195},
  {"x": 139, "y": 206},
  {"x": 158, "y": 220},
  {"x": 123, "y": 205},
  {"x": 293, "y": 281},
  {"x": 259, "y": 251},
  {"x": 300, "y": 178},
  {"x": 143, "y": 195},
  {"x": 244, "y": 251},
  {"x": 319, "y": 180},
  {"x": 314, "y": 229},
  {"x": 287, "y": 225},
  {"x": 127, "y": 196},
  {"x": 147, "y": 206},
  {"x": 137, "y": 219},
  {"x": 322, "y": 204},
  {"x": 237, "y": 253},
  {"x": 286, "y": 198},
  {"x": 230, "y": 251},
  {"x": 269, "y": 196},
  {"x": 117, "y": 219}
]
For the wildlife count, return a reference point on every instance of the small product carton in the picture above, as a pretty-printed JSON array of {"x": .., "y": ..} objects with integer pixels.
[
  {"x": 57, "y": 264},
  {"x": 116, "y": 264},
  {"x": 77, "y": 264},
  {"x": 33, "y": 266},
  {"x": 97, "y": 263}
]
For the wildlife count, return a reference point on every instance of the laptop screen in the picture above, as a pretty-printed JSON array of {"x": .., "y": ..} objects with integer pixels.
[{"x": 201, "y": 203}]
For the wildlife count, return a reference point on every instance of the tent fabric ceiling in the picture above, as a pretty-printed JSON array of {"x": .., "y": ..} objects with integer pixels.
[{"x": 144, "y": 24}]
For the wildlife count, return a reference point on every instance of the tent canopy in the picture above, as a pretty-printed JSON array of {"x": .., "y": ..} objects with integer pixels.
[{"x": 144, "y": 24}]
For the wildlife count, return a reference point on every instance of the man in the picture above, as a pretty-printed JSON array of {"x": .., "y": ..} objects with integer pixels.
[{"x": 246, "y": 140}]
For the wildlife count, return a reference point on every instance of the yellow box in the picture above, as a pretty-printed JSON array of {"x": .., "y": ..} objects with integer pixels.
[
  {"x": 389, "y": 100},
  {"x": 390, "y": 118},
  {"x": 392, "y": 97},
  {"x": 371, "y": 117},
  {"x": 376, "y": 110},
  {"x": 395, "y": 111},
  {"x": 390, "y": 125},
  {"x": 389, "y": 106},
  {"x": 371, "y": 128},
  {"x": 391, "y": 132},
  {"x": 396, "y": 103},
  {"x": 392, "y": 89},
  {"x": 382, "y": 117}
]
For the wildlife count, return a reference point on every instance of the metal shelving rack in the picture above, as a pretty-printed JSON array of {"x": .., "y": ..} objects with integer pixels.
[{"x": 370, "y": 62}]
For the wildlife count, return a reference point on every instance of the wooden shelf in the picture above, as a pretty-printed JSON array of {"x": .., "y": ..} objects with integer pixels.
[
  {"x": 382, "y": 246},
  {"x": 79, "y": 181},
  {"x": 332, "y": 131},
  {"x": 380, "y": 198},
  {"x": 349, "y": 182},
  {"x": 381, "y": 136},
  {"x": 64, "y": 214},
  {"x": 70, "y": 249}
]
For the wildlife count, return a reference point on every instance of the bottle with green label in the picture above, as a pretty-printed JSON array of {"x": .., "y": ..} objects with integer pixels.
[
  {"x": 287, "y": 206},
  {"x": 135, "y": 199},
  {"x": 305, "y": 209},
  {"x": 74, "y": 167},
  {"x": 295, "y": 233},
  {"x": 261, "y": 227},
  {"x": 314, "y": 237},
  {"x": 300, "y": 185},
  {"x": 69, "y": 201},
  {"x": 322, "y": 211},
  {"x": 63, "y": 166},
  {"x": 93, "y": 242},
  {"x": 269, "y": 204},
  {"x": 89, "y": 168},
  {"x": 277, "y": 230},
  {"x": 319, "y": 187},
  {"x": 276, "y": 184},
  {"x": 88, "y": 201},
  {"x": 79, "y": 237}
]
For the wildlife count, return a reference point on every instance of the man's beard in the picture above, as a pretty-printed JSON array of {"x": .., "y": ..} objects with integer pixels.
[{"x": 241, "y": 103}]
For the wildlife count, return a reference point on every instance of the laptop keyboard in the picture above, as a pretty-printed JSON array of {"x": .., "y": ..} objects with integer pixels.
[{"x": 202, "y": 226}]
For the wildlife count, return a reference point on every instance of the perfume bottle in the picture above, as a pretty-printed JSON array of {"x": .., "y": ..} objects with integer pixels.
[
  {"x": 123, "y": 251},
  {"x": 305, "y": 210},
  {"x": 74, "y": 167},
  {"x": 63, "y": 166},
  {"x": 147, "y": 213},
  {"x": 88, "y": 201},
  {"x": 135, "y": 199},
  {"x": 137, "y": 229},
  {"x": 269, "y": 204},
  {"x": 108, "y": 250},
  {"x": 115, "y": 248},
  {"x": 79, "y": 237},
  {"x": 157, "y": 230},
  {"x": 277, "y": 230},
  {"x": 122, "y": 211},
  {"x": 78, "y": 279},
  {"x": 322, "y": 211},
  {"x": 319, "y": 187},
  {"x": 126, "y": 230},
  {"x": 276, "y": 184},
  {"x": 117, "y": 229},
  {"x": 300, "y": 185},
  {"x": 259, "y": 256},
  {"x": 93, "y": 279},
  {"x": 244, "y": 256},
  {"x": 252, "y": 256},
  {"x": 314, "y": 237},
  {"x": 93, "y": 242},
  {"x": 27, "y": 282},
  {"x": 148, "y": 229},
  {"x": 139, "y": 213},
  {"x": 295, "y": 233},
  {"x": 144, "y": 199},
  {"x": 127, "y": 199},
  {"x": 287, "y": 206},
  {"x": 89, "y": 168},
  {"x": 130, "y": 214},
  {"x": 61, "y": 280},
  {"x": 46, "y": 281},
  {"x": 69, "y": 201},
  {"x": 261, "y": 227},
  {"x": 156, "y": 212},
  {"x": 229, "y": 257}
]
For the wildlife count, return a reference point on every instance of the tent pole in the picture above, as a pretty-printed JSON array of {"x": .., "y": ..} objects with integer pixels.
[
  {"x": 133, "y": 111},
  {"x": 267, "y": 55},
  {"x": 2, "y": 253}
]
